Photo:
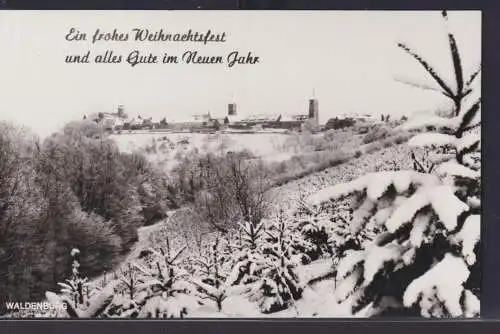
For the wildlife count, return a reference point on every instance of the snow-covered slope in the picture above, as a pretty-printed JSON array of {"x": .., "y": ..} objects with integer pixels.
[{"x": 289, "y": 194}]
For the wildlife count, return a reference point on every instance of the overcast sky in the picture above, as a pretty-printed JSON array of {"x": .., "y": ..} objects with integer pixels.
[{"x": 350, "y": 59}]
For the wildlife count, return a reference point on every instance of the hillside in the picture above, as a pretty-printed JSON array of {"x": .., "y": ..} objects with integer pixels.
[
  {"x": 166, "y": 149},
  {"x": 286, "y": 264},
  {"x": 391, "y": 158},
  {"x": 181, "y": 230},
  {"x": 178, "y": 230}
]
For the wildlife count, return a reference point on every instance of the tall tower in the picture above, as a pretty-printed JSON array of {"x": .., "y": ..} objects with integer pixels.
[
  {"x": 313, "y": 111},
  {"x": 231, "y": 109},
  {"x": 120, "y": 111}
]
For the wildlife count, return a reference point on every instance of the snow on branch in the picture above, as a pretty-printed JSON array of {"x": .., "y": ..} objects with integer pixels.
[
  {"x": 376, "y": 257},
  {"x": 378, "y": 186},
  {"x": 407, "y": 210},
  {"x": 443, "y": 200},
  {"x": 469, "y": 236},
  {"x": 349, "y": 262},
  {"x": 432, "y": 140},
  {"x": 468, "y": 141},
  {"x": 447, "y": 206},
  {"x": 453, "y": 168},
  {"x": 338, "y": 190},
  {"x": 445, "y": 280},
  {"x": 417, "y": 232},
  {"x": 375, "y": 184}
]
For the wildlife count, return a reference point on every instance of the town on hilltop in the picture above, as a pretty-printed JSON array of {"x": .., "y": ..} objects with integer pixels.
[{"x": 119, "y": 121}]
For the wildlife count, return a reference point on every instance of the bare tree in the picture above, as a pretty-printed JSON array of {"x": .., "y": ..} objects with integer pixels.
[{"x": 236, "y": 190}]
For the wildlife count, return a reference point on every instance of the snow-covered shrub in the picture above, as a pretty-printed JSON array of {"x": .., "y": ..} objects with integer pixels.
[
  {"x": 78, "y": 297},
  {"x": 95, "y": 306},
  {"x": 127, "y": 293},
  {"x": 314, "y": 233},
  {"x": 130, "y": 280},
  {"x": 378, "y": 132},
  {"x": 247, "y": 256},
  {"x": 156, "y": 288},
  {"x": 225, "y": 187},
  {"x": 210, "y": 278},
  {"x": 279, "y": 284},
  {"x": 166, "y": 290},
  {"x": 76, "y": 288},
  {"x": 256, "y": 262},
  {"x": 323, "y": 229},
  {"x": 425, "y": 260}
]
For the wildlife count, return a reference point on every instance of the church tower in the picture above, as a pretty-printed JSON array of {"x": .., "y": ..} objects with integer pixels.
[
  {"x": 120, "y": 111},
  {"x": 313, "y": 111},
  {"x": 231, "y": 109}
]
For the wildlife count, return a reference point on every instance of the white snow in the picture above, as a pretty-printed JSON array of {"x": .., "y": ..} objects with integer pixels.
[
  {"x": 166, "y": 149},
  {"x": 346, "y": 286},
  {"x": 417, "y": 232},
  {"x": 321, "y": 298},
  {"x": 377, "y": 186},
  {"x": 474, "y": 202},
  {"x": 347, "y": 264},
  {"x": 382, "y": 215},
  {"x": 361, "y": 216},
  {"x": 473, "y": 160},
  {"x": 239, "y": 306},
  {"x": 278, "y": 157},
  {"x": 314, "y": 270},
  {"x": 453, "y": 168},
  {"x": 467, "y": 141},
  {"x": 206, "y": 311},
  {"x": 447, "y": 206},
  {"x": 426, "y": 180},
  {"x": 262, "y": 144},
  {"x": 375, "y": 259},
  {"x": 96, "y": 302},
  {"x": 447, "y": 277},
  {"x": 75, "y": 251},
  {"x": 409, "y": 256},
  {"x": 442, "y": 198},
  {"x": 407, "y": 210},
  {"x": 472, "y": 305},
  {"x": 54, "y": 299},
  {"x": 419, "y": 121},
  {"x": 469, "y": 235},
  {"x": 402, "y": 180},
  {"x": 439, "y": 158},
  {"x": 338, "y": 190},
  {"x": 170, "y": 307},
  {"x": 431, "y": 140},
  {"x": 318, "y": 301}
]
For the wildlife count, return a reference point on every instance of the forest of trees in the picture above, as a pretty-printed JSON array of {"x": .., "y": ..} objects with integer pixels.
[
  {"x": 76, "y": 190},
  {"x": 224, "y": 188},
  {"x": 73, "y": 189}
]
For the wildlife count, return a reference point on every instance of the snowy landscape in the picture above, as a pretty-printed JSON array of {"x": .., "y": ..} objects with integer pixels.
[{"x": 371, "y": 218}]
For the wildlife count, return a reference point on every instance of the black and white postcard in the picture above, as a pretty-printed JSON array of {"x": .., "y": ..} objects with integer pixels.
[{"x": 240, "y": 164}]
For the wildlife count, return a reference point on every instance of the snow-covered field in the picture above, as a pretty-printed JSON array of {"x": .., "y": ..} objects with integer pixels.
[
  {"x": 165, "y": 149},
  {"x": 261, "y": 144}
]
